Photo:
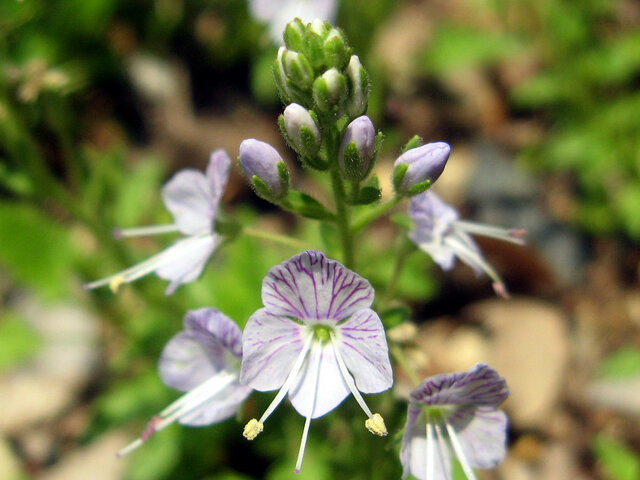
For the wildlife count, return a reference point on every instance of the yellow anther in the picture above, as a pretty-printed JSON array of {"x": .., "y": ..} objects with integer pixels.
[
  {"x": 376, "y": 425},
  {"x": 116, "y": 282},
  {"x": 252, "y": 429}
]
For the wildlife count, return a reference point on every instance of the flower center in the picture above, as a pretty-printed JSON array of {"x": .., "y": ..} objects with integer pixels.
[{"x": 322, "y": 333}]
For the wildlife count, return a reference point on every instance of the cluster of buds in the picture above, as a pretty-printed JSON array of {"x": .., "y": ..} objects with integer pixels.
[{"x": 315, "y": 69}]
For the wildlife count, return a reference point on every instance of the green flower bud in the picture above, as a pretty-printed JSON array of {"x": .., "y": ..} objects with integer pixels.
[
  {"x": 298, "y": 69},
  {"x": 336, "y": 51},
  {"x": 329, "y": 91},
  {"x": 294, "y": 35},
  {"x": 358, "y": 88}
]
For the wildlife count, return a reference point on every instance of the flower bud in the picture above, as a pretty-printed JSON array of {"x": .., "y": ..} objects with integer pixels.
[
  {"x": 282, "y": 83},
  {"x": 359, "y": 88},
  {"x": 415, "y": 170},
  {"x": 294, "y": 34},
  {"x": 298, "y": 69},
  {"x": 300, "y": 130},
  {"x": 336, "y": 51},
  {"x": 358, "y": 149},
  {"x": 264, "y": 168},
  {"x": 329, "y": 90}
]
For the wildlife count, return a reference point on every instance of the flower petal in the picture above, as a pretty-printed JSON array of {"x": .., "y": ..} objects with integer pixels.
[
  {"x": 224, "y": 405},
  {"x": 413, "y": 454},
  {"x": 209, "y": 344},
  {"x": 312, "y": 287},
  {"x": 481, "y": 385},
  {"x": 188, "y": 197},
  {"x": 184, "y": 261},
  {"x": 218, "y": 175},
  {"x": 363, "y": 347},
  {"x": 482, "y": 434},
  {"x": 328, "y": 390},
  {"x": 270, "y": 346}
]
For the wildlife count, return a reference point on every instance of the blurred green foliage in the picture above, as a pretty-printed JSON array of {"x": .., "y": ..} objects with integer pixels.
[
  {"x": 581, "y": 62},
  {"x": 616, "y": 460}
]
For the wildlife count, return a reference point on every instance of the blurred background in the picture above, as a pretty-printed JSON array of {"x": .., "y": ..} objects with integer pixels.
[{"x": 102, "y": 100}]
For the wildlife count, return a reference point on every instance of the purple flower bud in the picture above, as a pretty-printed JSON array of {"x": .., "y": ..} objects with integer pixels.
[
  {"x": 418, "y": 168},
  {"x": 264, "y": 167},
  {"x": 301, "y": 130},
  {"x": 358, "y": 149}
]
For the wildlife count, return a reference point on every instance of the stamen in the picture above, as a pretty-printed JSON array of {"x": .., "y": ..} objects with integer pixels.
[
  {"x": 512, "y": 235},
  {"x": 290, "y": 379},
  {"x": 471, "y": 257},
  {"x": 375, "y": 423},
  {"x": 144, "y": 231},
  {"x": 184, "y": 405},
  {"x": 430, "y": 467},
  {"x": 307, "y": 422},
  {"x": 143, "y": 268},
  {"x": 441, "y": 443},
  {"x": 457, "y": 447},
  {"x": 252, "y": 429}
]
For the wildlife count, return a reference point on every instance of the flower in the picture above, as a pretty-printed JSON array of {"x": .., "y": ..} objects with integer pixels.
[
  {"x": 193, "y": 199},
  {"x": 203, "y": 360},
  {"x": 439, "y": 232},
  {"x": 316, "y": 340},
  {"x": 455, "y": 413},
  {"x": 418, "y": 168},
  {"x": 277, "y": 13}
]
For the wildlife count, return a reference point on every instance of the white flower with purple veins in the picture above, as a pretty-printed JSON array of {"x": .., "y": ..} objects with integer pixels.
[
  {"x": 277, "y": 13},
  {"x": 438, "y": 230},
  {"x": 203, "y": 360},
  {"x": 455, "y": 414},
  {"x": 193, "y": 199},
  {"x": 316, "y": 340}
]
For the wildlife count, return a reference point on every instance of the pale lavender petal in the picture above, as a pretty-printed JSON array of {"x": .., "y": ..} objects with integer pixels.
[
  {"x": 432, "y": 217},
  {"x": 218, "y": 175},
  {"x": 481, "y": 385},
  {"x": 188, "y": 197},
  {"x": 482, "y": 432},
  {"x": 363, "y": 347},
  {"x": 330, "y": 389},
  {"x": 184, "y": 261},
  {"x": 209, "y": 344},
  {"x": 312, "y": 287},
  {"x": 270, "y": 346},
  {"x": 439, "y": 252},
  {"x": 224, "y": 405},
  {"x": 413, "y": 454}
]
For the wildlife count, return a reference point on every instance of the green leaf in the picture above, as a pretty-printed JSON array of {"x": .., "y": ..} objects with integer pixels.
[
  {"x": 624, "y": 362},
  {"x": 35, "y": 249},
  {"x": 19, "y": 341},
  {"x": 368, "y": 195},
  {"x": 618, "y": 461},
  {"x": 307, "y": 206}
]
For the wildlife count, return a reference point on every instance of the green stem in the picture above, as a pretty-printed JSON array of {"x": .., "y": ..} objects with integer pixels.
[
  {"x": 401, "y": 359},
  {"x": 276, "y": 238},
  {"x": 342, "y": 216},
  {"x": 403, "y": 249},
  {"x": 374, "y": 213}
]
